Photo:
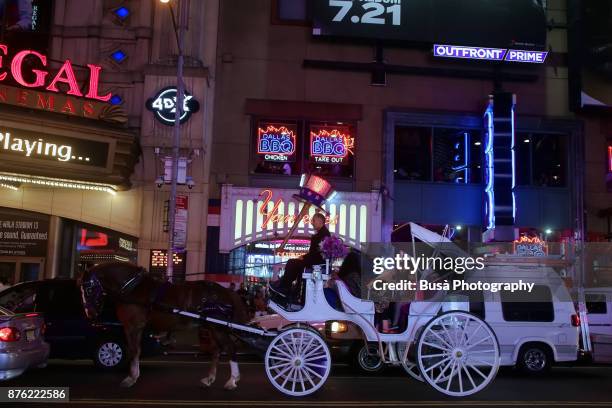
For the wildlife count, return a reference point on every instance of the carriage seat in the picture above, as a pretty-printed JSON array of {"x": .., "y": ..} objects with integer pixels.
[{"x": 355, "y": 304}]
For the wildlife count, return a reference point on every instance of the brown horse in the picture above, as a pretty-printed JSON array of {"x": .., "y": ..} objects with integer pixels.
[{"x": 143, "y": 301}]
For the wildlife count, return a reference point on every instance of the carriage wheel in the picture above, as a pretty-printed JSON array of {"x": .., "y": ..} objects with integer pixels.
[
  {"x": 411, "y": 368},
  {"x": 458, "y": 354},
  {"x": 298, "y": 362}
]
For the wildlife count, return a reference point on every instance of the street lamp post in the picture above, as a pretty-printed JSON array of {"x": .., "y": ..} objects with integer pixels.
[{"x": 180, "y": 91}]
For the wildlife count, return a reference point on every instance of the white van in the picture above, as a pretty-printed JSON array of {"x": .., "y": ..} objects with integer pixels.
[
  {"x": 599, "y": 310},
  {"x": 534, "y": 330},
  {"x": 599, "y": 319}
]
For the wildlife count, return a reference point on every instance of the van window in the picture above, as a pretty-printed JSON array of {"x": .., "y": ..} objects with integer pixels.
[
  {"x": 476, "y": 297},
  {"x": 596, "y": 303},
  {"x": 536, "y": 306}
]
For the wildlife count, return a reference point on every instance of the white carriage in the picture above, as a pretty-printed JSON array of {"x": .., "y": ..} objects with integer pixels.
[{"x": 454, "y": 351}]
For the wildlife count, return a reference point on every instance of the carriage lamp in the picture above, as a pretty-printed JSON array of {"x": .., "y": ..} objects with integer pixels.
[{"x": 338, "y": 327}]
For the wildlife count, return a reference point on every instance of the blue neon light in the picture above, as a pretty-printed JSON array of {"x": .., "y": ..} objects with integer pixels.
[
  {"x": 489, "y": 169},
  {"x": 122, "y": 13},
  {"x": 118, "y": 56},
  {"x": 513, "y": 165},
  {"x": 116, "y": 100},
  {"x": 465, "y": 166}
]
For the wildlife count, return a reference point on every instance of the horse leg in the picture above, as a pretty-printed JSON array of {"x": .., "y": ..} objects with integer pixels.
[
  {"x": 230, "y": 348},
  {"x": 212, "y": 372},
  {"x": 134, "y": 336}
]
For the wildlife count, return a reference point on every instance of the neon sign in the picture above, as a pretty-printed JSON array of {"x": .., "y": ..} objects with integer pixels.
[
  {"x": 534, "y": 246},
  {"x": 35, "y": 145},
  {"x": 276, "y": 143},
  {"x": 65, "y": 75},
  {"x": 490, "y": 54},
  {"x": 163, "y": 105},
  {"x": 610, "y": 159},
  {"x": 274, "y": 216},
  {"x": 330, "y": 146}
]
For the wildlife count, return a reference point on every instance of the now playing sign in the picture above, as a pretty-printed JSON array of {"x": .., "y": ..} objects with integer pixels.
[{"x": 163, "y": 105}]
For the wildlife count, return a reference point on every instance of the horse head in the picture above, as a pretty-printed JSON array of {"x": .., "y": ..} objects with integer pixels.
[
  {"x": 114, "y": 279},
  {"x": 92, "y": 293}
]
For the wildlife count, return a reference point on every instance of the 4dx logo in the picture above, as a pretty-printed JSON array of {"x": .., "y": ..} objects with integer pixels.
[{"x": 163, "y": 105}]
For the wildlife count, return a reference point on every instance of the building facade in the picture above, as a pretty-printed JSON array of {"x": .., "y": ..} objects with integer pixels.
[
  {"x": 309, "y": 87},
  {"x": 83, "y": 169}
]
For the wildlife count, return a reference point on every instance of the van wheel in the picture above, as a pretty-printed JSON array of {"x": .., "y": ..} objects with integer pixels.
[
  {"x": 534, "y": 359},
  {"x": 110, "y": 354},
  {"x": 367, "y": 359}
]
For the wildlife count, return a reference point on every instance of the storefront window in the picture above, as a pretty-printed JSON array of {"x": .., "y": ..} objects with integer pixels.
[
  {"x": 277, "y": 149},
  {"x": 413, "y": 153},
  {"x": 438, "y": 154},
  {"x": 291, "y": 148},
  {"x": 541, "y": 159},
  {"x": 456, "y": 156},
  {"x": 331, "y": 150}
]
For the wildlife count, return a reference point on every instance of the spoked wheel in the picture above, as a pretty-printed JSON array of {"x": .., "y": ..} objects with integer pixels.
[
  {"x": 409, "y": 366},
  {"x": 298, "y": 362},
  {"x": 458, "y": 354}
]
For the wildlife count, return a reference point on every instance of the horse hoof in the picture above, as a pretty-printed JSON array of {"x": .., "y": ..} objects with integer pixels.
[
  {"x": 127, "y": 382},
  {"x": 207, "y": 382},
  {"x": 231, "y": 384}
]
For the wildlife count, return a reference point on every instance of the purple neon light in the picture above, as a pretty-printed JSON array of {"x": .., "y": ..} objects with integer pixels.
[{"x": 481, "y": 53}]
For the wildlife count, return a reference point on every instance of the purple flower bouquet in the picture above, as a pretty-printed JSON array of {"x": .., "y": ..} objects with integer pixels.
[{"x": 333, "y": 247}]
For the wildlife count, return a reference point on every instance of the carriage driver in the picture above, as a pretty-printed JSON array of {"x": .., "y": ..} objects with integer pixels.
[{"x": 295, "y": 267}]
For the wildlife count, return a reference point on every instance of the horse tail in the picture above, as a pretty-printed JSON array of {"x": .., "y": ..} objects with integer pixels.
[{"x": 239, "y": 309}]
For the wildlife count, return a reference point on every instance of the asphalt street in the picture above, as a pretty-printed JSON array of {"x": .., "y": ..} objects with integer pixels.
[{"x": 173, "y": 381}]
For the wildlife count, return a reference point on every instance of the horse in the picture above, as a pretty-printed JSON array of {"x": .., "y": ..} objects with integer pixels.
[{"x": 140, "y": 300}]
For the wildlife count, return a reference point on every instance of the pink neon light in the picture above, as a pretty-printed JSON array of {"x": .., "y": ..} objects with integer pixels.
[
  {"x": 18, "y": 74},
  {"x": 5, "y": 50},
  {"x": 69, "y": 79},
  {"x": 64, "y": 75},
  {"x": 94, "y": 79}
]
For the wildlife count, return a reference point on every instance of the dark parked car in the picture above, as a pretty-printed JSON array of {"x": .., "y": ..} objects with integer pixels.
[{"x": 69, "y": 333}]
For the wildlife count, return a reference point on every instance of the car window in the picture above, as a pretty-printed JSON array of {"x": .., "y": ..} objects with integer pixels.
[
  {"x": 534, "y": 306},
  {"x": 62, "y": 299},
  {"x": 596, "y": 303},
  {"x": 19, "y": 299}
]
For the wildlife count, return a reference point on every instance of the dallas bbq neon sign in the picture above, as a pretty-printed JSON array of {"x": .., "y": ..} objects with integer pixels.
[
  {"x": 276, "y": 144},
  {"x": 330, "y": 146},
  {"x": 65, "y": 75}
]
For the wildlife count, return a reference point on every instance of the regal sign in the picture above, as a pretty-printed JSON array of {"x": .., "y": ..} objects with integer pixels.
[{"x": 42, "y": 78}]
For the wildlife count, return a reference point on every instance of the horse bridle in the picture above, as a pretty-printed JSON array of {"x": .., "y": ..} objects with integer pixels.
[{"x": 93, "y": 293}]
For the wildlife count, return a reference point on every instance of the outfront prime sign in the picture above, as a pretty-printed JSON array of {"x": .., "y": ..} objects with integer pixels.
[{"x": 489, "y": 54}]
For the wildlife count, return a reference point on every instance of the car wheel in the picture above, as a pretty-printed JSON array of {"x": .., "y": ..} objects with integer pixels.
[
  {"x": 534, "y": 359},
  {"x": 110, "y": 354},
  {"x": 367, "y": 359}
]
